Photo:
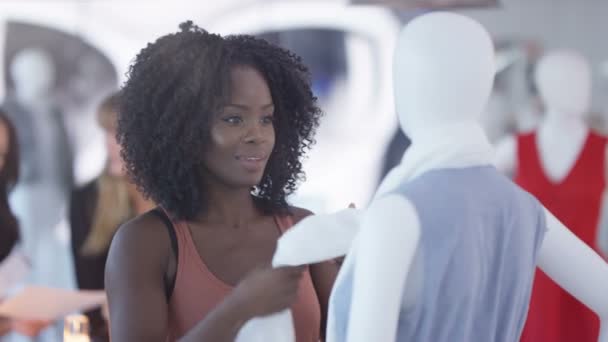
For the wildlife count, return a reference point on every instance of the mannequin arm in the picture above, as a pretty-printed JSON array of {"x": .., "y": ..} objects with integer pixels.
[
  {"x": 390, "y": 232},
  {"x": 576, "y": 268},
  {"x": 602, "y": 228},
  {"x": 506, "y": 155},
  {"x": 318, "y": 238}
]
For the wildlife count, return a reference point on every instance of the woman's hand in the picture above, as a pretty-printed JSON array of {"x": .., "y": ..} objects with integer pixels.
[
  {"x": 29, "y": 328},
  {"x": 268, "y": 290}
]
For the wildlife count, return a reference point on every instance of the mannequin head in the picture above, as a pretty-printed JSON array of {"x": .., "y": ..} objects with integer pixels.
[
  {"x": 563, "y": 79},
  {"x": 443, "y": 71},
  {"x": 33, "y": 75}
]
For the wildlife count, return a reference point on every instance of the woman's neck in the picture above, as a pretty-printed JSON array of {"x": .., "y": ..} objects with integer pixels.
[
  {"x": 228, "y": 206},
  {"x": 139, "y": 204}
]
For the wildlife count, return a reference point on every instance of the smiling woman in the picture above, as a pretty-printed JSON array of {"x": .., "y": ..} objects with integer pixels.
[
  {"x": 247, "y": 118},
  {"x": 213, "y": 129}
]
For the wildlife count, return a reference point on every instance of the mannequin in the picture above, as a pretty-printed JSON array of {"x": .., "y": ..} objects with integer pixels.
[
  {"x": 563, "y": 79},
  {"x": 563, "y": 164},
  {"x": 41, "y": 195},
  {"x": 445, "y": 228}
]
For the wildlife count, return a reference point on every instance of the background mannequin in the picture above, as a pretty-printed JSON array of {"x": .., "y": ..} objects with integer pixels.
[
  {"x": 563, "y": 79},
  {"x": 41, "y": 196},
  {"x": 404, "y": 240},
  {"x": 563, "y": 164}
]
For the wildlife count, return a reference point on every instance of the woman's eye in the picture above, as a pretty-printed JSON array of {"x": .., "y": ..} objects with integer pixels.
[
  {"x": 233, "y": 120},
  {"x": 268, "y": 119}
]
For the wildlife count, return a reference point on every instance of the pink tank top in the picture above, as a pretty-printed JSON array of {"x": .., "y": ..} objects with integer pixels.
[{"x": 197, "y": 291}]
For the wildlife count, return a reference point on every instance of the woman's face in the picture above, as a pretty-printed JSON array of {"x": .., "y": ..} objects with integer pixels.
[
  {"x": 115, "y": 165},
  {"x": 4, "y": 144},
  {"x": 242, "y": 134}
]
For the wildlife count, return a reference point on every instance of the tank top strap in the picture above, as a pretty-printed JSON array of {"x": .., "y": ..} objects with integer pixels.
[
  {"x": 591, "y": 162},
  {"x": 284, "y": 222},
  {"x": 526, "y": 146},
  {"x": 528, "y": 164},
  {"x": 182, "y": 234},
  {"x": 597, "y": 140},
  {"x": 186, "y": 245},
  {"x": 191, "y": 265}
]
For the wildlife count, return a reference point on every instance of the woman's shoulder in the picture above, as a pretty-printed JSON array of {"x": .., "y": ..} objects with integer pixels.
[
  {"x": 142, "y": 238},
  {"x": 298, "y": 213}
]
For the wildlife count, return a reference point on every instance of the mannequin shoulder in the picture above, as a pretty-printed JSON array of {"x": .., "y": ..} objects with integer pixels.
[
  {"x": 507, "y": 144},
  {"x": 506, "y": 151}
]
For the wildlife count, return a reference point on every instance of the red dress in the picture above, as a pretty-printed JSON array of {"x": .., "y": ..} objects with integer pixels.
[{"x": 554, "y": 315}]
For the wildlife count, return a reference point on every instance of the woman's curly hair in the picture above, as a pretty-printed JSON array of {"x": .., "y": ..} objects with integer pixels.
[{"x": 174, "y": 88}]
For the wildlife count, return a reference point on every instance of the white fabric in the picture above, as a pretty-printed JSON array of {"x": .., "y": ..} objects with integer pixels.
[
  {"x": 301, "y": 245},
  {"x": 456, "y": 145}
]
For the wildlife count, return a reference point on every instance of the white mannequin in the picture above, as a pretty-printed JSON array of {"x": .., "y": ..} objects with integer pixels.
[
  {"x": 41, "y": 197},
  {"x": 563, "y": 78},
  {"x": 443, "y": 74},
  {"x": 33, "y": 74},
  {"x": 564, "y": 83},
  {"x": 45, "y": 180}
]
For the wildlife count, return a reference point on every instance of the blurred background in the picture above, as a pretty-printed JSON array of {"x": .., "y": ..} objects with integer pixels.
[
  {"x": 347, "y": 45},
  {"x": 60, "y": 58}
]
